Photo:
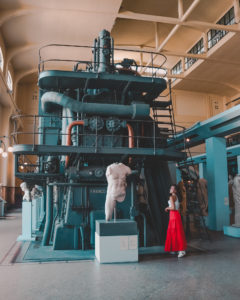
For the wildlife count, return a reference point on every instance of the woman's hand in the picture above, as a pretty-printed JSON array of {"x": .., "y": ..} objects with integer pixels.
[{"x": 166, "y": 209}]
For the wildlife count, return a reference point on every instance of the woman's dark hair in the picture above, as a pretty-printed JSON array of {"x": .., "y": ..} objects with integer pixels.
[{"x": 178, "y": 192}]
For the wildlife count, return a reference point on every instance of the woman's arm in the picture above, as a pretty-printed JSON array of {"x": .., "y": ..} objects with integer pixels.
[{"x": 172, "y": 203}]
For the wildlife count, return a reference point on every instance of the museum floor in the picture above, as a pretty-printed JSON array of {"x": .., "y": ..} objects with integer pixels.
[{"x": 209, "y": 271}]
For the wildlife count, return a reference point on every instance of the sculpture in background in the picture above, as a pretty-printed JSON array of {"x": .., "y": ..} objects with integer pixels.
[
  {"x": 25, "y": 189},
  {"x": 36, "y": 192},
  {"x": 236, "y": 198},
  {"x": 116, "y": 175}
]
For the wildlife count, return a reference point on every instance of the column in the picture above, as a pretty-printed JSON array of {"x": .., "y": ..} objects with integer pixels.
[
  {"x": 236, "y": 10},
  {"x": 202, "y": 170},
  {"x": 217, "y": 177},
  {"x": 238, "y": 164},
  {"x": 178, "y": 175}
]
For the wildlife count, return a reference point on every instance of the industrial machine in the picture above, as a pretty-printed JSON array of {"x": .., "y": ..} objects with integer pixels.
[{"x": 102, "y": 111}]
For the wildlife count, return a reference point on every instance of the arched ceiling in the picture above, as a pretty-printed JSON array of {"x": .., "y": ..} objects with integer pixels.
[{"x": 27, "y": 25}]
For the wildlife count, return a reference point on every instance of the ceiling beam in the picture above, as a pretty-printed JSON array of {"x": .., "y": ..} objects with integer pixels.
[
  {"x": 180, "y": 54},
  {"x": 176, "y": 27},
  {"x": 199, "y": 25},
  {"x": 182, "y": 76}
]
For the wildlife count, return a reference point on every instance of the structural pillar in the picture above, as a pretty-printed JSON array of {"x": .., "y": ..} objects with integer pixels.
[
  {"x": 202, "y": 170},
  {"x": 217, "y": 177},
  {"x": 178, "y": 175},
  {"x": 238, "y": 164},
  {"x": 236, "y": 10}
]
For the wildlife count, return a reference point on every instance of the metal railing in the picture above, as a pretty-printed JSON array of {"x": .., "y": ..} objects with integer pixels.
[
  {"x": 152, "y": 70},
  {"x": 43, "y": 125}
]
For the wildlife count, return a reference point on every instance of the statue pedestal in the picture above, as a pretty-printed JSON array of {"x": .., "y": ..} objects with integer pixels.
[
  {"x": 26, "y": 222},
  {"x": 116, "y": 241},
  {"x": 233, "y": 231}
]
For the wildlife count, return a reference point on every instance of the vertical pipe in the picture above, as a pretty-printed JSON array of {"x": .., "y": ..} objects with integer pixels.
[
  {"x": 64, "y": 125},
  {"x": 75, "y": 238},
  {"x": 49, "y": 216},
  {"x": 105, "y": 51}
]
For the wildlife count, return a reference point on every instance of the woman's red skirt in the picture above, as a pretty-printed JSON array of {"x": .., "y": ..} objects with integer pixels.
[{"x": 176, "y": 240}]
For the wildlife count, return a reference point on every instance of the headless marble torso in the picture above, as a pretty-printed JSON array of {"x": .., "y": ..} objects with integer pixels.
[{"x": 116, "y": 177}]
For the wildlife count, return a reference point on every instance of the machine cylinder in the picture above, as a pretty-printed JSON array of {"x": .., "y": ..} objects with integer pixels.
[{"x": 104, "y": 44}]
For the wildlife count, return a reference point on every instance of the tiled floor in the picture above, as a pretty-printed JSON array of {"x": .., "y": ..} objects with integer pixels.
[{"x": 210, "y": 274}]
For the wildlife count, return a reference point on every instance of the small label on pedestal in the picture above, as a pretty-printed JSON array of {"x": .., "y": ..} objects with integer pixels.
[
  {"x": 132, "y": 242},
  {"x": 124, "y": 242}
]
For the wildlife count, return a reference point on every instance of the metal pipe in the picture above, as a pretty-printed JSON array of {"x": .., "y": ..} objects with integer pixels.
[
  {"x": 64, "y": 125},
  {"x": 50, "y": 100},
  {"x": 49, "y": 216},
  {"x": 69, "y": 130},
  {"x": 104, "y": 51},
  {"x": 75, "y": 237},
  {"x": 130, "y": 136}
]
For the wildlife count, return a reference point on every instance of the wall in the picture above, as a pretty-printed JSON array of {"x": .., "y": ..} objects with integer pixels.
[
  {"x": 190, "y": 108},
  {"x": 27, "y": 101}
]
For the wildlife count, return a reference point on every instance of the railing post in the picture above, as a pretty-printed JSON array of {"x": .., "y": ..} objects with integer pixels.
[
  {"x": 34, "y": 131},
  {"x": 154, "y": 138}
]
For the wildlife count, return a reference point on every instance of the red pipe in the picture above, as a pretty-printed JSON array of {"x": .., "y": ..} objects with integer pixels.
[
  {"x": 77, "y": 123},
  {"x": 69, "y": 132},
  {"x": 130, "y": 136}
]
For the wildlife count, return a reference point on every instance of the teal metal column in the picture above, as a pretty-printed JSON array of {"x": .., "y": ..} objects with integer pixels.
[
  {"x": 238, "y": 164},
  {"x": 178, "y": 175},
  {"x": 217, "y": 177},
  {"x": 202, "y": 170}
]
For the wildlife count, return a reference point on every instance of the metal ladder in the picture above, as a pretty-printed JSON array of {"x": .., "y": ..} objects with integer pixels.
[{"x": 163, "y": 115}]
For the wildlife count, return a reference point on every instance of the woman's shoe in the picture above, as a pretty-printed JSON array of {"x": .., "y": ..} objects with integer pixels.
[{"x": 181, "y": 254}]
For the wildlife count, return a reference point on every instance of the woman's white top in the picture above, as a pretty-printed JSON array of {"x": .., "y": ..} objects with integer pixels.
[{"x": 177, "y": 204}]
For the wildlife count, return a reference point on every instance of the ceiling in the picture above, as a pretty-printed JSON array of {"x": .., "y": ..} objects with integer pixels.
[{"x": 27, "y": 25}]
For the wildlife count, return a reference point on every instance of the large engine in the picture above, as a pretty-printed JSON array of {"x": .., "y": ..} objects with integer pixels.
[{"x": 89, "y": 119}]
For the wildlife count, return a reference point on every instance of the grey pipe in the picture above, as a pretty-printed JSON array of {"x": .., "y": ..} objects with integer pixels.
[
  {"x": 49, "y": 216},
  {"x": 64, "y": 126},
  {"x": 50, "y": 100}
]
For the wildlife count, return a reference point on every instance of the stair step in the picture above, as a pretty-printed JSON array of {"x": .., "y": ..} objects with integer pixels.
[
  {"x": 162, "y": 116},
  {"x": 165, "y": 129},
  {"x": 160, "y": 104},
  {"x": 161, "y": 122}
]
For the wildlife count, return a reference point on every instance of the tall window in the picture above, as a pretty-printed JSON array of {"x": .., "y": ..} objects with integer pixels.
[
  {"x": 9, "y": 81},
  {"x": 198, "y": 48},
  {"x": 177, "y": 69},
  {"x": 1, "y": 59},
  {"x": 214, "y": 36}
]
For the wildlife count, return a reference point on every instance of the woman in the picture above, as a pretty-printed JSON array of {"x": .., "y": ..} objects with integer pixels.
[{"x": 175, "y": 241}]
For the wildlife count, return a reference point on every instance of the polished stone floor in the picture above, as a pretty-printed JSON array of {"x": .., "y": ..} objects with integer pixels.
[{"x": 209, "y": 271}]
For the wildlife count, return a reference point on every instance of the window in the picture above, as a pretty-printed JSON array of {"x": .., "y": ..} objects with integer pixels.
[
  {"x": 1, "y": 59},
  {"x": 214, "y": 36},
  {"x": 196, "y": 49},
  {"x": 9, "y": 81},
  {"x": 177, "y": 69}
]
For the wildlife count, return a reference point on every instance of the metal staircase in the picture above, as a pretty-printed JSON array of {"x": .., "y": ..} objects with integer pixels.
[{"x": 163, "y": 115}]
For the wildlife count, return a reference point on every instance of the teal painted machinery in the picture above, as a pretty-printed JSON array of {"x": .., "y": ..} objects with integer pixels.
[{"x": 88, "y": 119}]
